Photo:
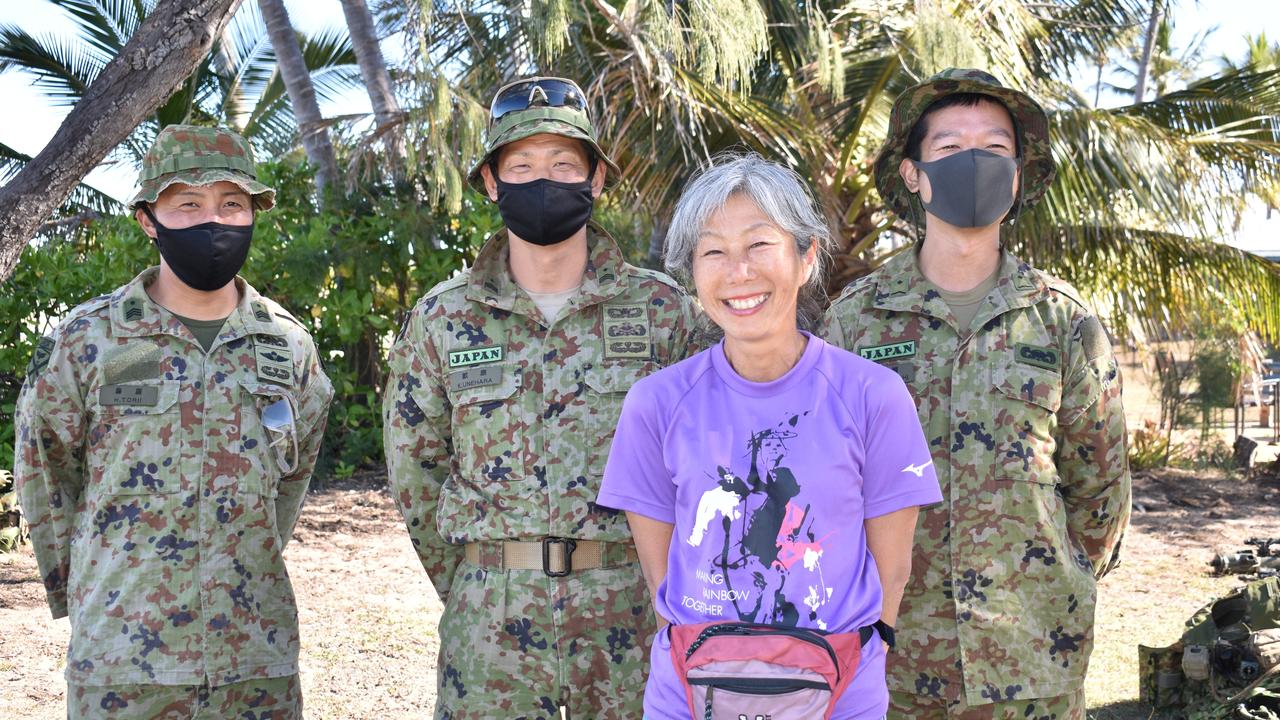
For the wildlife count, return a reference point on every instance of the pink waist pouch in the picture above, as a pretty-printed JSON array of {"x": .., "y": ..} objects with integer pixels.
[{"x": 735, "y": 670}]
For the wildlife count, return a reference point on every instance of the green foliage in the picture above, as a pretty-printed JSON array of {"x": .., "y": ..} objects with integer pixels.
[
  {"x": 52, "y": 278},
  {"x": 1150, "y": 448},
  {"x": 349, "y": 273},
  {"x": 1212, "y": 452},
  {"x": 1218, "y": 369}
]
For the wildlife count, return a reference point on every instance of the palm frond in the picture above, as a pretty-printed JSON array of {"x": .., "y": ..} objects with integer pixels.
[
  {"x": 1159, "y": 281},
  {"x": 332, "y": 61},
  {"x": 1229, "y": 99},
  {"x": 63, "y": 69},
  {"x": 1081, "y": 30},
  {"x": 106, "y": 25},
  {"x": 83, "y": 198}
]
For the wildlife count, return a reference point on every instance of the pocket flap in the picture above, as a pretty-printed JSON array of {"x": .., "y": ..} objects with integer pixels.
[
  {"x": 268, "y": 390},
  {"x": 617, "y": 377},
  {"x": 1029, "y": 383}
]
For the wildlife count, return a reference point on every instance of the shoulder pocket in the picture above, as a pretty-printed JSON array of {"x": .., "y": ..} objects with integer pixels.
[
  {"x": 617, "y": 377},
  {"x": 1029, "y": 383}
]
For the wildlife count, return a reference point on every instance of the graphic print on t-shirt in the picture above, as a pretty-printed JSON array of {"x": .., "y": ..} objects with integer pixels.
[{"x": 767, "y": 567}]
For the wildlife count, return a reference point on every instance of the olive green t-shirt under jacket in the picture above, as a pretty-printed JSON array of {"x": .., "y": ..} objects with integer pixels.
[
  {"x": 206, "y": 331},
  {"x": 964, "y": 305}
]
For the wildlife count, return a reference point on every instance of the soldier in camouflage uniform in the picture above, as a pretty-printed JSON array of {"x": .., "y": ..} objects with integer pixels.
[
  {"x": 499, "y": 412},
  {"x": 166, "y": 436},
  {"x": 1019, "y": 395}
]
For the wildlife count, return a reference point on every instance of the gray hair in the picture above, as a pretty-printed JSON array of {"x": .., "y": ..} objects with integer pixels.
[{"x": 779, "y": 192}]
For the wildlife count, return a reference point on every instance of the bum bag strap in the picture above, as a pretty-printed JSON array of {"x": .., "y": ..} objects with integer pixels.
[{"x": 882, "y": 627}]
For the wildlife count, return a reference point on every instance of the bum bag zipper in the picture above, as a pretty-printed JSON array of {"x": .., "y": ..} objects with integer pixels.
[{"x": 813, "y": 637}]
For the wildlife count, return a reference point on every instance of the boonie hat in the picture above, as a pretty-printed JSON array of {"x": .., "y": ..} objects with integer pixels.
[
  {"x": 195, "y": 155},
  {"x": 534, "y": 106},
  {"x": 1029, "y": 121}
]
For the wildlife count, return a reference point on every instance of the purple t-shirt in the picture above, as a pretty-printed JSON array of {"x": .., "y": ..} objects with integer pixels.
[{"x": 768, "y": 485}]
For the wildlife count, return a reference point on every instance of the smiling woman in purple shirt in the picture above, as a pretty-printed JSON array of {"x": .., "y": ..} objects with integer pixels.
[{"x": 771, "y": 482}]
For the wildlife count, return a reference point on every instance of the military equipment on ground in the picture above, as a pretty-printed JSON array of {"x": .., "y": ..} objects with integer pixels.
[
  {"x": 1261, "y": 558},
  {"x": 13, "y": 528},
  {"x": 1225, "y": 666}
]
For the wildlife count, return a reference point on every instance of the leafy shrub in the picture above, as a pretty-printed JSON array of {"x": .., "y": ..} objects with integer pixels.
[{"x": 1150, "y": 448}]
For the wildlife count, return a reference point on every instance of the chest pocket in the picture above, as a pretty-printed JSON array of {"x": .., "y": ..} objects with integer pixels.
[
  {"x": 1025, "y": 407},
  {"x": 268, "y": 415},
  {"x": 489, "y": 429},
  {"x": 607, "y": 385},
  {"x": 137, "y": 438}
]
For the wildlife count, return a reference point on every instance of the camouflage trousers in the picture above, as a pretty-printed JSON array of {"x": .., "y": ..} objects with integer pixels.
[
  {"x": 269, "y": 699},
  {"x": 518, "y": 644},
  {"x": 908, "y": 706}
]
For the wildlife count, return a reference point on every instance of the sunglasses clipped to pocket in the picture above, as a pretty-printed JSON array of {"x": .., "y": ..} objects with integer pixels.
[{"x": 282, "y": 433}]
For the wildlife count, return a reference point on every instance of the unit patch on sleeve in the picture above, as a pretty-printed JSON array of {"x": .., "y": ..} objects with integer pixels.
[{"x": 40, "y": 358}]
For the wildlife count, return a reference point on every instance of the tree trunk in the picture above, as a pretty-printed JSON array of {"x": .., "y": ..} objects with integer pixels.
[
  {"x": 1148, "y": 43},
  {"x": 302, "y": 93},
  {"x": 166, "y": 48},
  {"x": 1097, "y": 88},
  {"x": 373, "y": 68}
]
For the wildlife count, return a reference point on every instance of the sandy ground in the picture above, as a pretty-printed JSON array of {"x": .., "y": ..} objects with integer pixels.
[{"x": 369, "y": 615}]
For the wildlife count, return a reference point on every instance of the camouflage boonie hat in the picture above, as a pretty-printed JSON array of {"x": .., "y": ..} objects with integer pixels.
[
  {"x": 564, "y": 121},
  {"x": 1029, "y": 121},
  {"x": 195, "y": 155}
]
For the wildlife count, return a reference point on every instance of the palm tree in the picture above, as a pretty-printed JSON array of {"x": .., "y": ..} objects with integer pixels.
[
  {"x": 302, "y": 93},
  {"x": 1143, "y": 194},
  {"x": 238, "y": 84},
  {"x": 386, "y": 110},
  {"x": 1166, "y": 66},
  {"x": 1260, "y": 55}
]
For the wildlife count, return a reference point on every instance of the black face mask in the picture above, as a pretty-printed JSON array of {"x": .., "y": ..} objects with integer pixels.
[
  {"x": 205, "y": 256},
  {"x": 971, "y": 189},
  {"x": 545, "y": 212}
]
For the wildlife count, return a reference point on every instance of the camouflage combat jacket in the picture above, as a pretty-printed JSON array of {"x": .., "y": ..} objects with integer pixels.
[
  {"x": 498, "y": 422},
  {"x": 1024, "y": 420},
  {"x": 158, "y": 504}
]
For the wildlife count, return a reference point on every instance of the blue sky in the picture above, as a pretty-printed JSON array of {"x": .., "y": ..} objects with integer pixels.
[{"x": 32, "y": 127}]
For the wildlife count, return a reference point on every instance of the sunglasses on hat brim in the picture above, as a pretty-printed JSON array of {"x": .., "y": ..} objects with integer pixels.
[{"x": 536, "y": 92}]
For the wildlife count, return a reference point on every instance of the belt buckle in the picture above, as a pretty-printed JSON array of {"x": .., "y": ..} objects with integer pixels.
[{"x": 569, "y": 546}]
